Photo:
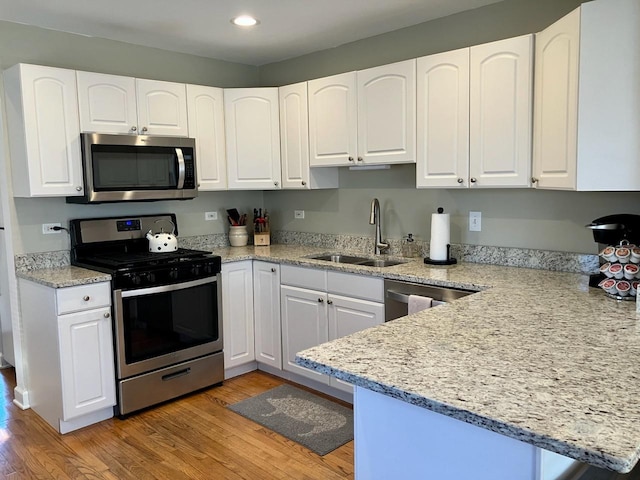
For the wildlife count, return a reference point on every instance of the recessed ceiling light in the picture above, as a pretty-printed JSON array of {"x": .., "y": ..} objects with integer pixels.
[{"x": 245, "y": 21}]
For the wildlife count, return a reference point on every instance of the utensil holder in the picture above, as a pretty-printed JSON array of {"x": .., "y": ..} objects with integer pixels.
[{"x": 238, "y": 236}]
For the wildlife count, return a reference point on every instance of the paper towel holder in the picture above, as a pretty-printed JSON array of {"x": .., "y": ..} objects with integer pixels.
[{"x": 449, "y": 261}]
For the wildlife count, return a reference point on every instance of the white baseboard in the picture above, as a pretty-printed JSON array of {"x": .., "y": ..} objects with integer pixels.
[{"x": 21, "y": 398}]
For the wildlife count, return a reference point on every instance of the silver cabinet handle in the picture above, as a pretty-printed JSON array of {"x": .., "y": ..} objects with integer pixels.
[
  {"x": 360, "y": 160},
  {"x": 303, "y": 183},
  {"x": 275, "y": 183},
  {"x": 86, "y": 298},
  {"x": 460, "y": 180},
  {"x": 350, "y": 159},
  {"x": 321, "y": 300},
  {"x": 107, "y": 315},
  {"x": 144, "y": 129},
  {"x": 273, "y": 269},
  {"x": 134, "y": 128},
  {"x": 330, "y": 302},
  {"x": 78, "y": 189},
  {"x": 534, "y": 180},
  {"x": 473, "y": 180}
]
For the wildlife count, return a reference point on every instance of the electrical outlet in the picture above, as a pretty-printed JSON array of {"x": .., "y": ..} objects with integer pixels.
[
  {"x": 475, "y": 221},
  {"x": 299, "y": 214},
  {"x": 210, "y": 216},
  {"x": 47, "y": 228}
]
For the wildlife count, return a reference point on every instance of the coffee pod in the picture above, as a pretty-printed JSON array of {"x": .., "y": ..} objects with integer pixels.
[
  {"x": 623, "y": 254},
  {"x": 623, "y": 287},
  {"x": 635, "y": 255},
  {"x": 604, "y": 269},
  {"x": 630, "y": 271},
  {"x": 609, "y": 254},
  {"x": 634, "y": 288},
  {"x": 616, "y": 271},
  {"x": 609, "y": 286}
]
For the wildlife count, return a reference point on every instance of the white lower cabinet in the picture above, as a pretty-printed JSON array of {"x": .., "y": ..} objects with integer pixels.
[
  {"x": 69, "y": 350},
  {"x": 266, "y": 311},
  {"x": 313, "y": 314},
  {"x": 237, "y": 316}
]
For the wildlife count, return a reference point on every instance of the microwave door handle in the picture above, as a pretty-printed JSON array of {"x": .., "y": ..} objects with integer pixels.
[{"x": 180, "y": 168}]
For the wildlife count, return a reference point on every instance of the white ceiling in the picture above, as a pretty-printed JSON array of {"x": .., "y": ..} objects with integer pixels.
[{"x": 288, "y": 28}]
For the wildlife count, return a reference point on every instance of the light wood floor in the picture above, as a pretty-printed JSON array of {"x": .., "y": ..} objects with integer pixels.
[{"x": 195, "y": 437}]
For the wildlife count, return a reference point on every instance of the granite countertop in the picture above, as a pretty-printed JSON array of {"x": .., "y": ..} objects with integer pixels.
[{"x": 534, "y": 355}]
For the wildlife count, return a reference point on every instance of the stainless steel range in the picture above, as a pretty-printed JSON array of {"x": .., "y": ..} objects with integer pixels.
[{"x": 166, "y": 308}]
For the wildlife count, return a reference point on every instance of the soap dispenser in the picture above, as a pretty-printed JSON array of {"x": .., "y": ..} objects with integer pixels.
[{"x": 409, "y": 246}]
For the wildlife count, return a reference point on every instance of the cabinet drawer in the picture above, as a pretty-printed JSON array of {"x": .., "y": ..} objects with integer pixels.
[
  {"x": 83, "y": 297},
  {"x": 358, "y": 286},
  {"x": 313, "y": 278}
]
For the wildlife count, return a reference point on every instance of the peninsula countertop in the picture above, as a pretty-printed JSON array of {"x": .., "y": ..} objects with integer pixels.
[{"x": 535, "y": 355}]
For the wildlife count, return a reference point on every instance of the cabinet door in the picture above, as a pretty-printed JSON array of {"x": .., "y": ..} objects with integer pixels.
[
  {"x": 107, "y": 103},
  {"x": 333, "y": 120},
  {"x": 387, "y": 114},
  {"x": 294, "y": 136},
  {"x": 253, "y": 138},
  {"x": 556, "y": 104},
  {"x": 443, "y": 120},
  {"x": 237, "y": 313},
  {"x": 44, "y": 131},
  {"x": 205, "y": 107},
  {"x": 162, "y": 108},
  {"x": 266, "y": 302},
  {"x": 86, "y": 362},
  {"x": 304, "y": 325},
  {"x": 351, "y": 315},
  {"x": 501, "y": 104}
]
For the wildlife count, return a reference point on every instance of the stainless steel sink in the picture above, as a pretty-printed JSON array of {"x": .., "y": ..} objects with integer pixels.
[
  {"x": 338, "y": 258},
  {"x": 355, "y": 260},
  {"x": 381, "y": 263}
]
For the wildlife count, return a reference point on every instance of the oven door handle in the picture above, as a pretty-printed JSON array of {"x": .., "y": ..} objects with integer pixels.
[
  {"x": 164, "y": 288},
  {"x": 181, "y": 169}
]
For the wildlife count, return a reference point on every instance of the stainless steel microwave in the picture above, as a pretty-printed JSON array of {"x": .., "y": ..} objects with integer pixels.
[{"x": 120, "y": 168}]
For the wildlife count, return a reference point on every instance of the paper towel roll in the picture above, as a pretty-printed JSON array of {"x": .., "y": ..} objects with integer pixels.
[{"x": 439, "y": 236}]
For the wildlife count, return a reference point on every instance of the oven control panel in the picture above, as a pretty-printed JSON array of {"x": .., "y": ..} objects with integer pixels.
[
  {"x": 128, "y": 225},
  {"x": 178, "y": 272}
]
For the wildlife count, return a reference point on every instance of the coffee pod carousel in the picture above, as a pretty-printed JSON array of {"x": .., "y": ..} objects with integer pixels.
[{"x": 621, "y": 270}]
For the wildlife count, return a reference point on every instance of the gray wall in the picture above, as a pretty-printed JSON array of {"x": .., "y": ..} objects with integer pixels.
[
  {"x": 24, "y": 44},
  {"x": 524, "y": 218}
]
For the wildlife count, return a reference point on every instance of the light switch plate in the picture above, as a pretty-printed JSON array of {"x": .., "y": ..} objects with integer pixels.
[
  {"x": 299, "y": 214},
  {"x": 475, "y": 221},
  {"x": 210, "y": 216}
]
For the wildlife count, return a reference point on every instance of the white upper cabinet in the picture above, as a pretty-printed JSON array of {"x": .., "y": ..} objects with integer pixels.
[
  {"x": 333, "y": 120},
  {"x": 294, "y": 143},
  {"x": 205, "y": 107},
  {"x": 365, "y": 117},
  {"x": 501, "y": 110},
  {"x": 162, "y": 108},
  {"x": 43, "y": 128},
  {"x": 121, "y": 105},
  {"x": 474, "y": 116},
  {"x": 587, "y": 116},
  {"x": 443, "y": 119},
  {"x": 107, "y": 103},
  {"x": 252, "y": 138},
  {"x": 387, "y": 114}
]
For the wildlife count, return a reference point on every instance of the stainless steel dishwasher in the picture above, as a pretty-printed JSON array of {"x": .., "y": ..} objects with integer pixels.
[{"x": 396, "y": 296}]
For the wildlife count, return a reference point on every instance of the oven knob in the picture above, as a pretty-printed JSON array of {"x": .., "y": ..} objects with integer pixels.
[
  {"x": 173, "y": 274},
  {"x": 135, "y": 279},
  {"x": 195, "y": 270},
  {"x": 150, "y": 277},
  {"x": 208, "y": 269}
]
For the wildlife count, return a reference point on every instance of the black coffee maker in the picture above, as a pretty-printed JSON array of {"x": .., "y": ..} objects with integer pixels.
[{"x": 611, "y": 230}]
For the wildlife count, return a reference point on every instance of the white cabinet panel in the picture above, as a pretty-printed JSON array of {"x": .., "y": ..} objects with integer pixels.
[
  {"x": 253, "y": 138},
  {"x": 294, "y": 143},
  {"x": 237, "y": 313},
  {"x": 304, "y": 325},
  {"x": 162, "y": 108},
  {"x": 268, "y": 332},
  {"x": 86, "y": 360},
  {"x": 44, "y": 131},
  {"x": 333, "y": 120},
  {"x": 501, "y": 109},
  {"x": 205, "y": 107},
  {"x": 107, "y": 103},
  {"x": 443, "y": 119},
  {"x": 387, "y": 114}
]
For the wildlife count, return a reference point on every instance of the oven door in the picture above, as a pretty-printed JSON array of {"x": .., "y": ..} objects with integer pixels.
[{"x": 160, "y": 326}]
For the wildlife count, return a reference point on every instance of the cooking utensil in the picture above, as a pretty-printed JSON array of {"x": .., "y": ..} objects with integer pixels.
[{"x": 234, "y": 215}]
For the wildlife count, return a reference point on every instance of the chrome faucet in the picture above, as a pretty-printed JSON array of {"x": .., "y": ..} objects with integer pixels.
[{"x": 374, "y": 219}]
